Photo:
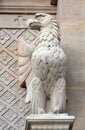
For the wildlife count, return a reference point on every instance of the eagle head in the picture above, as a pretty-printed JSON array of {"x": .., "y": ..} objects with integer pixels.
[{"x": 40, "y": 20}]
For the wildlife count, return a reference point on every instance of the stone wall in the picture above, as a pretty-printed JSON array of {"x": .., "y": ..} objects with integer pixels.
[{"x": 71, "y": 15}]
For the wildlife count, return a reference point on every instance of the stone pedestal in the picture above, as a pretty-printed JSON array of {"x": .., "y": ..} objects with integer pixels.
[{"x": 49, "y": 122}]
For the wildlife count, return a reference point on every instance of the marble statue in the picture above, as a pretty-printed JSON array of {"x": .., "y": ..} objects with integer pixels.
[{"x": 46, "y": 61}]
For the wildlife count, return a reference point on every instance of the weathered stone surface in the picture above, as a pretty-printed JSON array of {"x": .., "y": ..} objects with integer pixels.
[
  {"x": 48, "y": 62},
  {"x": 73, "y": 41},
  {"x": 72, "y": 20},
  {"x": 13, "y": 15},
  {"x": 12, "y": 105},
  {"x": 72, "y": 11},
  {"x": 49, "y": 121},
  {"x": 25, "y": 2},
  {"x": 76, "y": 106}
]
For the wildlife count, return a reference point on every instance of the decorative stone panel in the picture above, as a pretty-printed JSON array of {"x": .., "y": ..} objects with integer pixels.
[{"x": 13, "y": 110}]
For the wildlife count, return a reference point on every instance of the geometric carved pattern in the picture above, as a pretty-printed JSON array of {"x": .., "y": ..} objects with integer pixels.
[
  {"x": 6, "y": 78},
  {"x": 2, "y": 124},
  {"x": 20, "y": 124},
  {"x": 29, "y": 35},
  {"x": 10, "y": 115},
  {"x": 2, "y": 106},
  {"x": 5, "y": 58},
  {"x": 8, "y": 97},
  {"x": 13, "y": 67},
  {"x": 1, "y": 88},
  {"x": 13, "y": 110},
  {"x": 3, "y": 37},
  {"x": 13, "y": 47}
]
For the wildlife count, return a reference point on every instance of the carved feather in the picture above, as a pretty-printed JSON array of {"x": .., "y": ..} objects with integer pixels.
[{"x": 23, "y": 60}]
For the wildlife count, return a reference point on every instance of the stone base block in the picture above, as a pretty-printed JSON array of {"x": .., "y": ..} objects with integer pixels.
[{"x": 49, "y": 122}]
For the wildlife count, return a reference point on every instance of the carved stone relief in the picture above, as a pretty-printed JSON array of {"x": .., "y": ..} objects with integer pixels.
[
  {"x": 46, "y": 61},
  {"x": 13, "y": 110}
]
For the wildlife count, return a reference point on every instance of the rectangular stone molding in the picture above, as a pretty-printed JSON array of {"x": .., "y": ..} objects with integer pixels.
[{"x": 49, "y": 122}]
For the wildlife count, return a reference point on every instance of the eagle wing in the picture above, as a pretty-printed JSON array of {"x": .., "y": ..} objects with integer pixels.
[{"x": 24, "y": 58}]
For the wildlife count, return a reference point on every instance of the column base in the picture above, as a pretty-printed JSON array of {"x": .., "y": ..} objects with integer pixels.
[{"x": 49, "y": 122}]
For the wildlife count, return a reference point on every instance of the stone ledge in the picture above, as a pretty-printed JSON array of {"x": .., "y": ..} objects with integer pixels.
[
  {"x": 11, "y": 9},
  {"x": 49, "y": 122}
]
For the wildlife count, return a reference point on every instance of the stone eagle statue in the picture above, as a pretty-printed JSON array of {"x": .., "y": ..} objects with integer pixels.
[{"x": 44, "y": 62}]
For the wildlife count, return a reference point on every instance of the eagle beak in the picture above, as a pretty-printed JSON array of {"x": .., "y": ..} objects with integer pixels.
[{"x": 33, "y": 23}]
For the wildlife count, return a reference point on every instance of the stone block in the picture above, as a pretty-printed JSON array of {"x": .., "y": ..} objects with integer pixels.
[{"x": 49, "y": 122}]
